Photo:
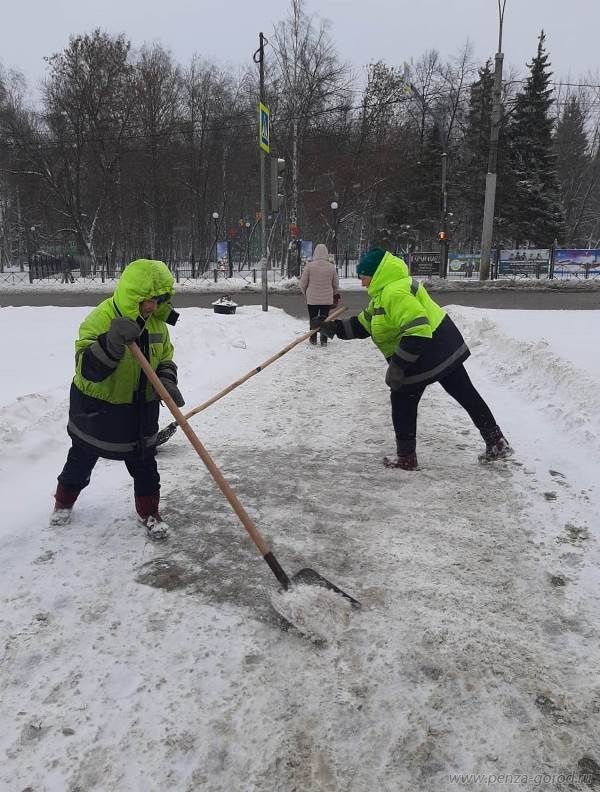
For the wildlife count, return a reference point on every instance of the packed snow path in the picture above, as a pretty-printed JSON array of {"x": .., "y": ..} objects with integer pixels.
[{"x": 133, "y": 666}]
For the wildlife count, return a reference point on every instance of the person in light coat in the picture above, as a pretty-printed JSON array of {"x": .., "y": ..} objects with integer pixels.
[{"x": 319, "y": 283}]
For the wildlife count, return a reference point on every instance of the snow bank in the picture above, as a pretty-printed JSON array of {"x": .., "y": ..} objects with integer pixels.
[{"x": 550, "y": 357}]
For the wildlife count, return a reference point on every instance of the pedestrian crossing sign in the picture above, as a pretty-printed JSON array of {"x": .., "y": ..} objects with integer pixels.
[{"x": 264, "y": 128}]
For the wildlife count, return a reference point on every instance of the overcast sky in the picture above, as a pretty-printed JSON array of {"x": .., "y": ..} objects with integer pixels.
[{"x": 363, "y": 30}]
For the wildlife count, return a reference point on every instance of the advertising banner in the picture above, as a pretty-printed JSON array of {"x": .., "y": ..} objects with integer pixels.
[
  {"x": 463, "y": 264},
  {"x": 577, "y": 262},
  {"x": 307, "y": 249},
  {"x": 424, "y": 263},
  {"x": 525, "y": 261},
  {"x": 222, "y": 253}
]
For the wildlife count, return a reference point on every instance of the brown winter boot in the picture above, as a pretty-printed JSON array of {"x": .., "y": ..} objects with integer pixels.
[
  {"x": 148, "y": 514},
  {"x": 496, "y": 445},
  {"x": 402, "y": 461},
  {"x": 63, "y": 505}
]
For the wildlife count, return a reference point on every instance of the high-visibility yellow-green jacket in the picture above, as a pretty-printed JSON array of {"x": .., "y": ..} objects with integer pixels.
[
  {"x": 411, "y": 330},
  {"x": 399, "y": 306},
  {"x": 113, "y": 408}
]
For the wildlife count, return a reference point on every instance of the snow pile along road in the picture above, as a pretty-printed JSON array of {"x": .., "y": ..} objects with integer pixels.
[
  {"x": 552, "y": 360},
  {"x": 127, "y": 665}
]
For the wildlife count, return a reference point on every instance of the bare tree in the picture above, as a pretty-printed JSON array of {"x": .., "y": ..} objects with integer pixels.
[{"x": 309, "y": 79}]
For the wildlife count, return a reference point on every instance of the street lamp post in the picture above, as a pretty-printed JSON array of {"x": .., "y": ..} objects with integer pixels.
[
  {"x": 247, "y": 226},
  {"x": 404, "y": 233},
  {"x": 215, "y": 217},
  {"x": 491, "y": 177},
  {"x": 334, "y": 210},
  {"x": 444, "y": 231}
]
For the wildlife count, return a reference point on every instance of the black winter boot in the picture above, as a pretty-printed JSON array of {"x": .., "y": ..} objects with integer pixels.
[{"x": 315, "y": 322}]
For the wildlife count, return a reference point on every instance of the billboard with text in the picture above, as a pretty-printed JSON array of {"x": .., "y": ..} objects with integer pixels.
[{"x": 577, "y": 261}]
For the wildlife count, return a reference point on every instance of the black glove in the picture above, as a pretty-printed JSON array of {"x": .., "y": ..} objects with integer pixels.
[
  {"x": 329, "y": 328},
  {"x": 394, "y": 377},
  {"x": 122, "y": 331},
  {"x": 167, "y": 374}
]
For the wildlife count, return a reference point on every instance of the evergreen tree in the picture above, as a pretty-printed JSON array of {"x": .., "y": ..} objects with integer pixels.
[
  {"x": 530, "y": 206},
  {"x": 416, "y": 199},
  {"x": 574, "y": 171},
  {"x": 475, "y": 147}
]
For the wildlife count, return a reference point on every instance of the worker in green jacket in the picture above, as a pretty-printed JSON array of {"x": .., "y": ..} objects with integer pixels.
[
  {"x": 422, "y": 345},
  {"x": 113, "y": 410}
]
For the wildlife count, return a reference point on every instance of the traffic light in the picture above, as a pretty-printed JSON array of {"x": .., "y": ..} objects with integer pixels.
[
  {"x": 443, "y": 236},
  {"x": 277, "y": 173}
]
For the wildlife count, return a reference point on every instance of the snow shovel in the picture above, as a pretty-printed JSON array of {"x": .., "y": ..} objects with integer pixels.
[
  {"x": 305, "y": 576},
  {"x": 169, "y": 430}
]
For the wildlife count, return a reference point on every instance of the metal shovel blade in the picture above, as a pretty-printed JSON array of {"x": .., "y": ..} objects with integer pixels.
[
  {"x": 166, "y": 434},
  {"x": 311, "y": 578}
]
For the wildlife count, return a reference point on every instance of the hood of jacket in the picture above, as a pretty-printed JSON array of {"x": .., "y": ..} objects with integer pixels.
[
  {"x": 390, "y": 269},
  {"x": 142, "y": 279},
  {"x": 321, "y": 253}
]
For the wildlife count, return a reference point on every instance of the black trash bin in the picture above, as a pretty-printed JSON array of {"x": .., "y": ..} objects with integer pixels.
[{"x": 224, "y": 305}]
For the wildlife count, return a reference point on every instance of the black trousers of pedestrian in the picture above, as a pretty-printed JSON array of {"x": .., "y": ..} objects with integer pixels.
[
  {"x": 458, "y": 384},
  {"x": 317, "y": 314},
  {"x": 81, "y": 461}
]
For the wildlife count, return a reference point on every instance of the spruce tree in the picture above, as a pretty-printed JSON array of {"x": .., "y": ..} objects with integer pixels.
[
  {"x": 473, "y": 164},
  {"x": 417, "y": 199},
  {"x": 574, "y": 172},
  {"x": 531, "y": 208}
]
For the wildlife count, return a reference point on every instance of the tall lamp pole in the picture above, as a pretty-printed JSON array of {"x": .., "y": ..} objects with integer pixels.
[
  {"x": 334, "y": 209},
  {"x": 444, "y": 231},
  {"x": 259, "y": 57},
  {"x": 248, "y": 244},
  {"x": 215, "y": 216},
  {"x": 491, "y": 177}
]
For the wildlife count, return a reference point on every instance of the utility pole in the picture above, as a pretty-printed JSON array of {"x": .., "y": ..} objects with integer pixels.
[
  {"x": 491, "y": 177},
  {"x": 264, "y": 143}
]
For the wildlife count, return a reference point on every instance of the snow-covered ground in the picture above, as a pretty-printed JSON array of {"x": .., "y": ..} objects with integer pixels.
[{"x": 130, "y": 666}]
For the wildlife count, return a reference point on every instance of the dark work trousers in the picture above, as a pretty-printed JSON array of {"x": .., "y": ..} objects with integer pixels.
[
  {"x": 318, "y": 314},
  {"x": 81, "y": 461},
  {"x": 459, "y": 386}
]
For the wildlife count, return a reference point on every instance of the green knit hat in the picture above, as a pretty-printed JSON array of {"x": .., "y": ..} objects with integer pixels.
[{"x": 370, "y": 261}]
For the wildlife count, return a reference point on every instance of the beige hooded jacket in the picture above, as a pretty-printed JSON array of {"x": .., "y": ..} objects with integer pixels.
[{"x": 319, "y": 280}]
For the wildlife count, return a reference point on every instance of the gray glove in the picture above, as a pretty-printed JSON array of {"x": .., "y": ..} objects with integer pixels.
[
  {"x": 122, "y": 331},
  {"x": 167, "y": 374},
  {"x": 394, "y": 377}
]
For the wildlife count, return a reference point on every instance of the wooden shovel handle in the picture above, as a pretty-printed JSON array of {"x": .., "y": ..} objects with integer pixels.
[
  {"x": 202, "y": 453},
  {"x": 281, "y": 353}
]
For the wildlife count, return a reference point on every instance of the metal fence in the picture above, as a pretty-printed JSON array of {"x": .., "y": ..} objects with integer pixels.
[
  {"x": 77, "y": 269},
  {"x": 73, "y": 269}
]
